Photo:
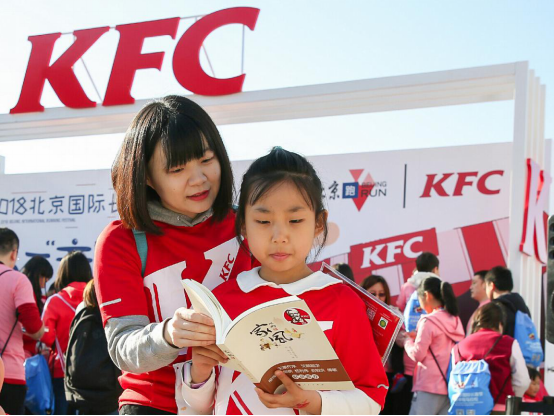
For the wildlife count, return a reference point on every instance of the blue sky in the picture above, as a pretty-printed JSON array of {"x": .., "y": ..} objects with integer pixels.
[{"x": 297, "y": 43}]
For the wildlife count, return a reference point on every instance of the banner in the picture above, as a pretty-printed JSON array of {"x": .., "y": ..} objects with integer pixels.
[{"x": 385, "y": 208}]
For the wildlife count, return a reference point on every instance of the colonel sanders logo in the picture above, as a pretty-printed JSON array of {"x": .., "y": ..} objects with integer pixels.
[{"x": 297, "y": 316}]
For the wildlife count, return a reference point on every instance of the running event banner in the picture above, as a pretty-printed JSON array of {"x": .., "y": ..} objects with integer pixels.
[{"x": 385, "y": 208}]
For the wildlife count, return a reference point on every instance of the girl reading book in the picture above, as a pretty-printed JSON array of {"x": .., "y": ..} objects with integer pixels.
[{"x": 281, "y": 213}]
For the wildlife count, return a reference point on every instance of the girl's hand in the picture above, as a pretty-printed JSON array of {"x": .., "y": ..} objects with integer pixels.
[
  {"x": 189, "y": 329},
  {"x": 412, "y": 334},
  {"x": 294, "y": 397},
  {"x": 204, "y": 359}
]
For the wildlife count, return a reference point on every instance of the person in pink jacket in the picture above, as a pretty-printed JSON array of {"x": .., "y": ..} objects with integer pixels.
[{"x": 431, "y": 344}]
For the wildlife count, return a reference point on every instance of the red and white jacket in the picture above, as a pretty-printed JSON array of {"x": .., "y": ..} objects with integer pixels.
[
  {"x": 207, "y": 252},
  {"x": 58, "y": 313},
  {"x": 341, "y": 314}
]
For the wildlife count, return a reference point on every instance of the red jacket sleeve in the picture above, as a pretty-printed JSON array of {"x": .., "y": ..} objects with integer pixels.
[
  {"x": 50, "y": 318},
  {"x": 354, "y": 344},
  {"x": 29, "y": 317},
  {"x": 117, "y": 274}
]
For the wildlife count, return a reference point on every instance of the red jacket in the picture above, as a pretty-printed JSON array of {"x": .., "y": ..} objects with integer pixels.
[
  {"x": 207, "y": 252},
  {"x": 349, "y": 333},
  {"x": 475, "y": 346},
  {"x": 57, "y": 316}
]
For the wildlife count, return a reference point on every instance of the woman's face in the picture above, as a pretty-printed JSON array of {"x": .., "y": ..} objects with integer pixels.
[
  {"x": 188, "y": 189},
  {"x": 378, "y": 291}
]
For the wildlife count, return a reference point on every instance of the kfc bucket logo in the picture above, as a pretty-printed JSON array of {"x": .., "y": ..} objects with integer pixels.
[
  {"x": 128, "y": 60},
  {"x": 297, "y": 316}
]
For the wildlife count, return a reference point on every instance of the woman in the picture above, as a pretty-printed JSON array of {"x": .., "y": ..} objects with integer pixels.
[
  {"x": 174, "y": 183},
  {"x": 39, "y": 271},
  {"x": 399, "y": 394},
  {"x": 73, "y": 274}
]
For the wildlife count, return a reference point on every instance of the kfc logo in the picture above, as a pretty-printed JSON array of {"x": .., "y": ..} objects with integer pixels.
[
  {"x": 456, "y": 182},
  {"x": 128, "y": 60},
  {"x": 392, "y": 251},
  {"x": 297, "y": 316}
]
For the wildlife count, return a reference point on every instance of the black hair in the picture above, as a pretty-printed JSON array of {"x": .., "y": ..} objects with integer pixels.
[
  {"x": 36, "y": 267},
  {"x": 277, "y": 167},
  {"x": 489, "y": 316},
  {"x": 74, "y": 267},
  {"x": 426, "y": 262},
  {"x": 441, "y": 291},
  {"x": 501, "y": 277},
  {"x": 533, "y": 373},
  {"x": 185, "y": 132},
  {"x": 481, "y": 274},
  {"x": 8, "y": 241},
  {"x": 344, "y": 269}
]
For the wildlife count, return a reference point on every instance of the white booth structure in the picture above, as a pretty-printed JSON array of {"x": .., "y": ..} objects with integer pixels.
[{"x": 517, "y": 222}]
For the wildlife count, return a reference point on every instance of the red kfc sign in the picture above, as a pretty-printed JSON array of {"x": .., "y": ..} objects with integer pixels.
[
  {"x": 453, "y": 184},
  {"x": 128, "y": 60},
  {"x": 533, "y": 237},
  {"x": 392, "y": 251}
]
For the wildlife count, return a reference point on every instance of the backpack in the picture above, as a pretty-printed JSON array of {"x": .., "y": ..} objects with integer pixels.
[
  {"x": 412, "y": 313},
  {"x": 91, "y": 376},
  {"x": 526, "y": 335},
  {"x": 468, "y": 386}
]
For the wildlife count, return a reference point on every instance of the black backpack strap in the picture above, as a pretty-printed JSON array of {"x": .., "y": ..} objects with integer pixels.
[
  {"x": 440, "y": 369},
  {"x": 491, "y": 348}
]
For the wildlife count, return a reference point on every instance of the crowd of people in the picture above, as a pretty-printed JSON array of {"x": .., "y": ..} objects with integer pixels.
[
  {"x": 418, "y": 383},
  {"x": 123, "y": 337}
]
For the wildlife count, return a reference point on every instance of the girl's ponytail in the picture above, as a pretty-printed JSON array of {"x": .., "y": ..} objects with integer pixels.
[
  {"x": 449, "y": 299},
  {"x": 442, "y": 292}
]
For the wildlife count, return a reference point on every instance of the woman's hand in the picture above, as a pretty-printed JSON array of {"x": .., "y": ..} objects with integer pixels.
[
  {"x": 204, "y": 359},
  {"x": 294, "y": 397},
  {"x": 189, "y": 329},
  {"x": 412, "y": 334}
]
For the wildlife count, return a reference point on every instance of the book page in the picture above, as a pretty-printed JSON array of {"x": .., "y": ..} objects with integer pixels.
[
  {"x": 203, "y": 301},
  {"x": 285, "y": 336}
]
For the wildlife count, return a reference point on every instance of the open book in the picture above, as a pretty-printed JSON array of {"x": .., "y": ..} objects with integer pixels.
[
  {"x": 282, "y": 334},
  {"x": 385, "y": 320}
]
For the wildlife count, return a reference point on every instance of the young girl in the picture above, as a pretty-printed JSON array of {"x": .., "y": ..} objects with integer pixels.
[
  {"x": 173, "y": 181},
  {"x": 501, "y": 352},
  {"x": 437, "y": 332},
  {"x": 281, "y": 214}
]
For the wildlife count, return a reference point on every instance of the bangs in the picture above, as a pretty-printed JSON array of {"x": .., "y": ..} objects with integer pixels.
[
  {"x": 184, "y": 141},
  {"x": 266, "y": 183}
]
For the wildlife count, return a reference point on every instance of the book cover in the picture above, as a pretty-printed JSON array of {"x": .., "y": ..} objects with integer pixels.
[
  {"x": 386, "y": 321},
  {"x": 282, "y": 334}
]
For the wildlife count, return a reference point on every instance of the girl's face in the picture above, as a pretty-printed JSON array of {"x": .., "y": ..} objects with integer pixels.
[
  {"x": 189, "y": 189},
  {"x": 378, "y": 291},
  {"x": 281, "y": 228},
  {"x": 534, "y": 387},
  {"x": 426, "y": 302}
]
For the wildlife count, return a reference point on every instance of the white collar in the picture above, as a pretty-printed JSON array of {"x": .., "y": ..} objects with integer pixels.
[{"x": 250, "y": 280}]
